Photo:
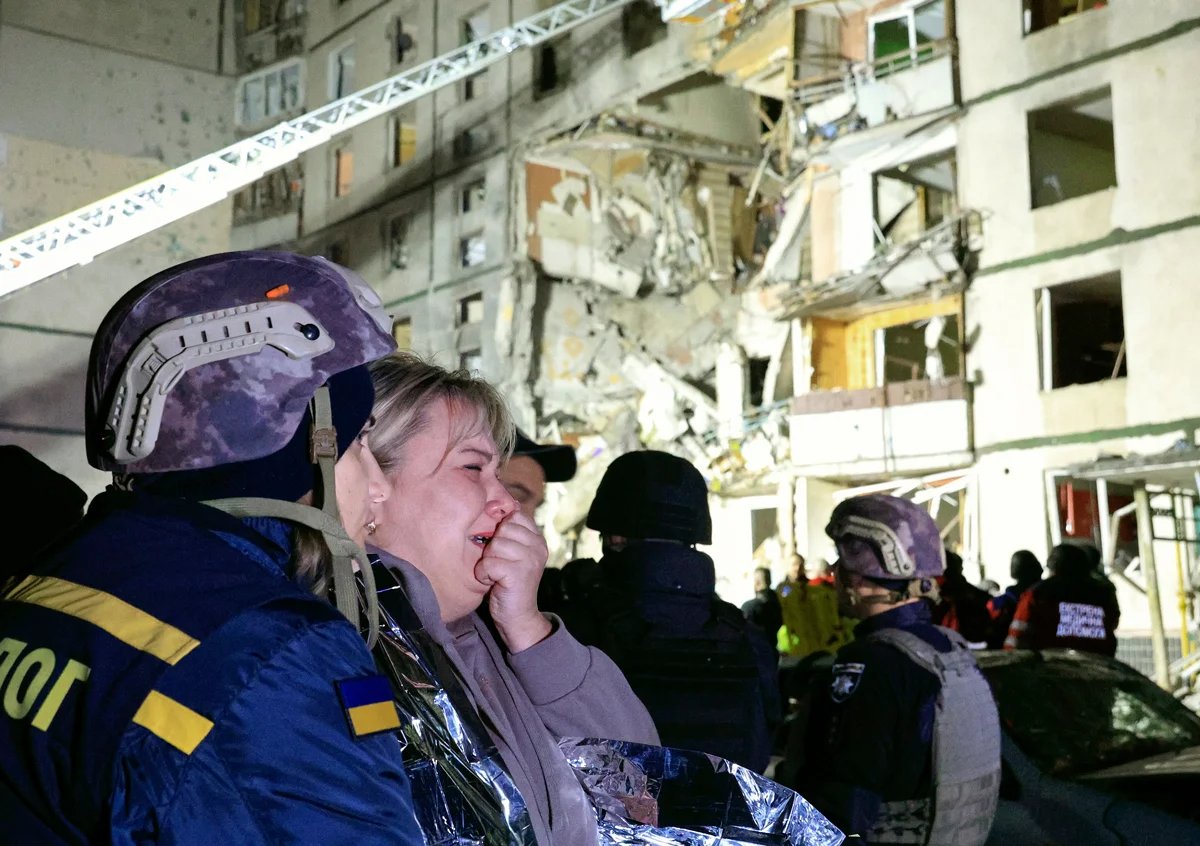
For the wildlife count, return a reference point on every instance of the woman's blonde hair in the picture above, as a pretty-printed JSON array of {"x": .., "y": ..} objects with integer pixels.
[{"x": 406, "y": 384}]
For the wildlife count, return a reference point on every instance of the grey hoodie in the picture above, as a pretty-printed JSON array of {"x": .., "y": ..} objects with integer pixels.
[{"x": 556, "y": 688}]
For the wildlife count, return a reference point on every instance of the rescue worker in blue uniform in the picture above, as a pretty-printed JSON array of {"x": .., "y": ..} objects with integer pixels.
[
  {"x": 911, "y": 733},
  {"x": 173, "y": 672}
]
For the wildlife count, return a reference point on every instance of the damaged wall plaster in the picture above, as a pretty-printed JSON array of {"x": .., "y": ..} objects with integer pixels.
[{"x": 109, "y": 101}]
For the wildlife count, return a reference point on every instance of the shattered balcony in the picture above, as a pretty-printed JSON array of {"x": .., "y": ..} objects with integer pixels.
[
  {"x": 906, "y": 427},
  {"x": 934, "y": 260},
  {"x": 895, "y": 64},
  {"x": 757, "y": 54},
  {"x": 868, "y": 94},
  {"x": 635, "y": 209}
]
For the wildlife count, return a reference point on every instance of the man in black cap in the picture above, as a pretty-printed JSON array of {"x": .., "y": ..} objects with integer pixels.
[{"x": 531, "y": 466}]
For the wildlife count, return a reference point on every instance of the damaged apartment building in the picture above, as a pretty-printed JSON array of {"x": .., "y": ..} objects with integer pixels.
[
  {"x": 818, "y": 247},
  {"x": 574, "y": 223},
  {"x": 981, "y": 255}
]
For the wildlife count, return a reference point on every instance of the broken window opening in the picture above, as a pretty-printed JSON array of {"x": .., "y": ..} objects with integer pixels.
[
  {"x": 924, "y": 349},
  {"x": 402, "y": 42},
  {"x": 764, "y": 525},
  {"x": 769, "y": 112},
  {"x": 269, "y": 93},
  {"x": 341, "y": 72},
  {"x": 1071, "y": 149},
  {"x": 1043, "y": 14},
  {"x": 914, "y": 198},
  {"x": 402, "y": 136},
  {"x": 343, "y": 171},
  {"x": 907, "y": 37},
  {"x": 472, "y": 250},
  {"x": 258, "y": 15},
  {"x": 338, "y": 253},
  {"x": 472, "y": 195},
  {"x": 474, "y": 86},
  {"x": 471, "y": 361},
  {"x": 1079, "y": 511},
  {"x": 471, "y": 142},
  {"x": 756, "y": 380},
  {"x": 1081, "y": 332},
  {"x": 551, "y": 67},
  {"x": 397, "y": 249},
  {"x": 277, "y": 193},
  {"x": 402, "y": 331},
  {"x": 470, "y": 309},
  {"x": 641, "y": 27},
  {"x": 475, "y": 26}
]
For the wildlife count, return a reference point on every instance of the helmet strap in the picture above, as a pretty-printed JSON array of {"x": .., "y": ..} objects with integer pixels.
[
  {"x": 915, "y": 589},
  {"x": 344, "y": 551}
]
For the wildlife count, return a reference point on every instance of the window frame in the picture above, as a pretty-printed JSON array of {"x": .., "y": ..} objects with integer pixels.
[
  {"x": 1047, "y": 335},
  {"x": 463, "y": 306},
  {"x": 342, "y": 158},
  {"x": 393, "y": 157},
  {"x": 332, "y": 70},
  {"x": 908, "y": 13},
  {"x": 399, "y": 220},
  {"x": 463, "y": 252},
  {"x": 276, "y": 69},
  {"x": 399, "y": 323},
  {"x": 465, "y": 190}
]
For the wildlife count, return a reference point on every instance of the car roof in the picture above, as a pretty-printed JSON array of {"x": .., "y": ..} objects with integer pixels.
[{"x": 996, "y": 658}]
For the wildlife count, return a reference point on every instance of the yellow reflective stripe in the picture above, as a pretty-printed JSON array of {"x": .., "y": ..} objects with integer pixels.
[
  {"x": 172, "y": 721},
  {"x": 126, "y": 623},
  {"x": 379, "y": 716}
]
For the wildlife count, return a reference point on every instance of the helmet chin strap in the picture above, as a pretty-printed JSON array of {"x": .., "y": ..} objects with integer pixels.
[
  {"x": 915, "y": 589},
  {"x": 345, "y": 551}
]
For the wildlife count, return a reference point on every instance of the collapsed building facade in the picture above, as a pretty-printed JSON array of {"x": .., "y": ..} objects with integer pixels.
[
  {"x": 932, "y": 248},
  {"x": 985, "y": 321}
]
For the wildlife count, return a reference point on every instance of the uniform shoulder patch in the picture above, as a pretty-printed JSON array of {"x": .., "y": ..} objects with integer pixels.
[
  {"x": 369, "y": 705},
  {"x": 846, "y": 677}
]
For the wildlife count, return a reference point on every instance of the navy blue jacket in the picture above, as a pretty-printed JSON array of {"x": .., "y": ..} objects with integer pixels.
[
  {"x": 165, "y": 681},
  {"x": 876, "y": 722},
  {"x": 708, "y": 678}
]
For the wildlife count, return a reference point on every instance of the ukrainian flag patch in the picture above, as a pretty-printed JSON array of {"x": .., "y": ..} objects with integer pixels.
[{"x": 370, "y": 708}]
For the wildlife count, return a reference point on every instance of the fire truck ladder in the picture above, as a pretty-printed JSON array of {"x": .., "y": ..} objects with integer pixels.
[{"x": 78, "y": 237}]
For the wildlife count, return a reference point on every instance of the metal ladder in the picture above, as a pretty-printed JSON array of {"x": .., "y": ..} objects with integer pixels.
[{"x": 79, "y": 236}]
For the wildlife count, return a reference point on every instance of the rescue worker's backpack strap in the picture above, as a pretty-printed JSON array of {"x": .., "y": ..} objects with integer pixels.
[
  {"x": 345, "y": 552},
  {"x": 966, "y": 749}
]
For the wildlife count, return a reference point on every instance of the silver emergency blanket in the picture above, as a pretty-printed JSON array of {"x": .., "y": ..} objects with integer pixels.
[
  {"x": 642, "y": 794},
  {"x": 656, "y": 795},
  {"x": 461, "y": 792}
]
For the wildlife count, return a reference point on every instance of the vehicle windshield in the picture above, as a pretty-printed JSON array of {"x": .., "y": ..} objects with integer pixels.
[{"x": 1074, "y": 717}]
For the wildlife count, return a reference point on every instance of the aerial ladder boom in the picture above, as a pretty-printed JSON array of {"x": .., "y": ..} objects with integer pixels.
[{"x": 78, "y": 237}]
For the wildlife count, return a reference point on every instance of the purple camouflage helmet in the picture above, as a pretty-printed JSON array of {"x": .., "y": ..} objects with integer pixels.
[
  {"x": 885, "y": 537},
  {"x": 215, "y": 361}
]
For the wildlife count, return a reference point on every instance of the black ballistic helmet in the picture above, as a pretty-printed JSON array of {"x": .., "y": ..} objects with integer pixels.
[{"x": 651, "y": 494}]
